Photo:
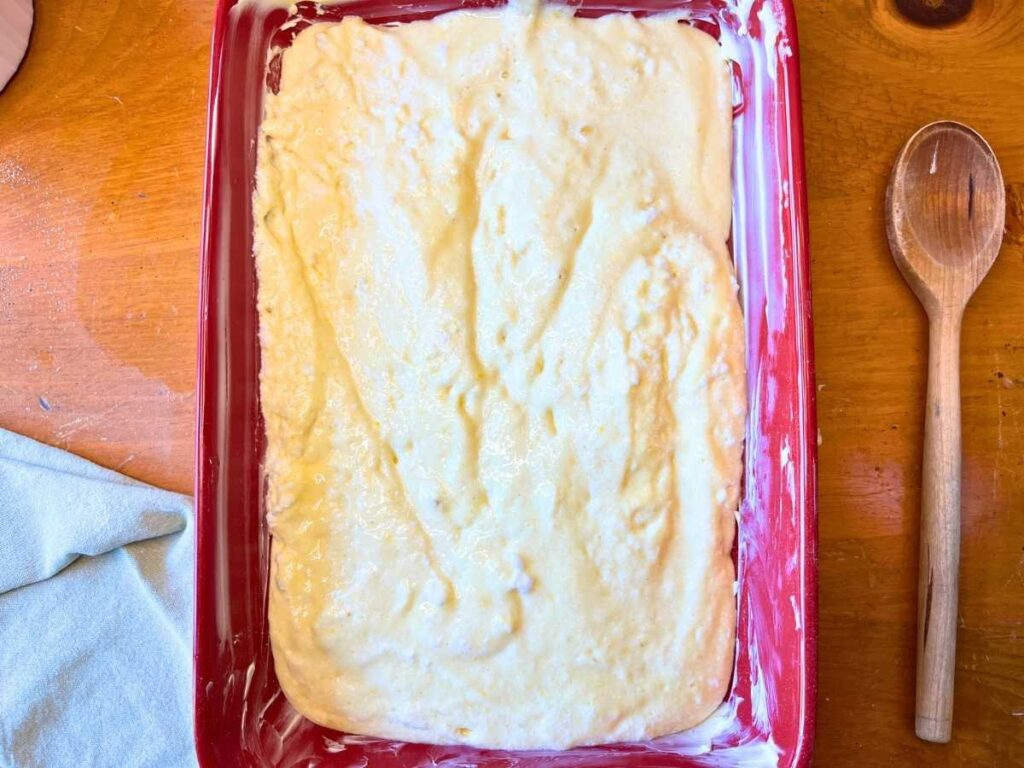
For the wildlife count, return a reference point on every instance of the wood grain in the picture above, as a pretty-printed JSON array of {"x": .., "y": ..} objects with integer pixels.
[
  {"x": 101, "y": 152},
  {"x": 870, "y": 79},
  {"x": 101, "y": 157}
]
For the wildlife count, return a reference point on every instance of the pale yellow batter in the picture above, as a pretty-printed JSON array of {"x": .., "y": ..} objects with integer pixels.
[{"x": 503, "y": 377}]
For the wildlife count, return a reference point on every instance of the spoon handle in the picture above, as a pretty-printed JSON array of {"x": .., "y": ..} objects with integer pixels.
[{"x": 938, "y": 569}]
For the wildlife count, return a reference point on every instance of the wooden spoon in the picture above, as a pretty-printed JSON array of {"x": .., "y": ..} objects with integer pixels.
[{"x": 945, "y": 209}]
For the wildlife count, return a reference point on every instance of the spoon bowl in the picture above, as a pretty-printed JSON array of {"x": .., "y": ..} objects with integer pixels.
[{"x": 946, "y": 208}]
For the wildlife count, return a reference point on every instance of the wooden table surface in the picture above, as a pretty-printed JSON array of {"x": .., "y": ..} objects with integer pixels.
[{"x": 101, "y": 157}]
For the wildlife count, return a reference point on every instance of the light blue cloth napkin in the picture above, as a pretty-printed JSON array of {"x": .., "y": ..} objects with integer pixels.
[{"x": 95, "y": 615}]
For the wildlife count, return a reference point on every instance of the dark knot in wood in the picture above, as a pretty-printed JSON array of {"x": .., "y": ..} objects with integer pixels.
[{"x": 934, "y": 13}]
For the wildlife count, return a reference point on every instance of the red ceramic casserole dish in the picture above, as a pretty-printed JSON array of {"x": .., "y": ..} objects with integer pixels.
[{"x": 241, "y": 716}]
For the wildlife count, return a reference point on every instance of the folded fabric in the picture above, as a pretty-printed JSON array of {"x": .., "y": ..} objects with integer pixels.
[{"x": 96, "y": 575}]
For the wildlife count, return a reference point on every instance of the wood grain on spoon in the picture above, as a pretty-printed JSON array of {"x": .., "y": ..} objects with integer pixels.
[{"x": 945, "y": 210}]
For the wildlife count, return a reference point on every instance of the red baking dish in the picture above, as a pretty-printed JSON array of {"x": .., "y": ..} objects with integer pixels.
[{"x": 241, "y": 716}]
